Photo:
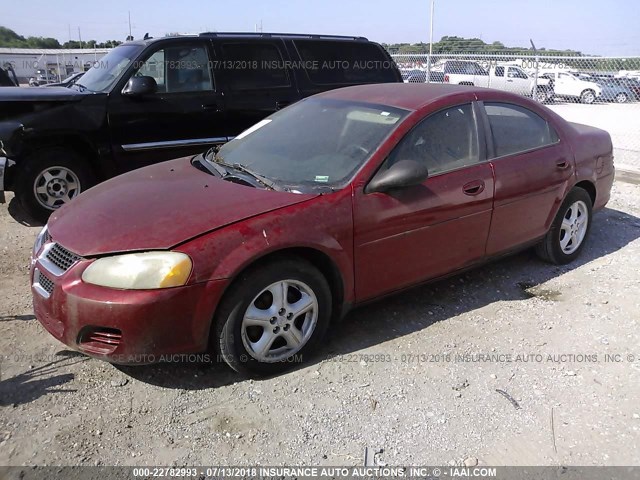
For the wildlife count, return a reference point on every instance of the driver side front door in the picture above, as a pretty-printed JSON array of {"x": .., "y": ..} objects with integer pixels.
[
  {"x": 409, "y": 235},
  {"x": 185, "y": 116}
]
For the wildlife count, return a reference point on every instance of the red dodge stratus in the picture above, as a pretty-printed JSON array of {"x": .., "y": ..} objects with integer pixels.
[{"x": 341, "y": 198}]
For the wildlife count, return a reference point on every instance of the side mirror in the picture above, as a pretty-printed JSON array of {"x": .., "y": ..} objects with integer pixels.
[
  {"x": 138, "y": 86},
  {"x": 405, "y": 173}
]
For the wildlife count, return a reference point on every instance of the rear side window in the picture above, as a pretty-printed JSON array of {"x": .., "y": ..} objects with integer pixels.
[
  {"x": 250, "y": 66},
  {"x": 340, "y": 62},
  {"x": 516, "y": 129},
  {"x": 499, "y": 71}
]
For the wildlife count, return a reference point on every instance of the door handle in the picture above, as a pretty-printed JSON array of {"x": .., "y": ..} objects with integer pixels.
[
  {"x": 473, "y": 188},
  {"x": 562, "y": 164},
  {"x": 211, "y": 106},
  {"x": 509, "y": 80},
  {"x": 282, "y": 104}
]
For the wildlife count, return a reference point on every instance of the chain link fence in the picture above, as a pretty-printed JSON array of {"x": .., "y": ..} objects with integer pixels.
[{"x": 600, "y": 91}]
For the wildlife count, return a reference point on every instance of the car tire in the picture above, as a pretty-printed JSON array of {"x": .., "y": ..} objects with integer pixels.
[
  {"x": 49, "y": 178},
  {"x": 541, "y": 96},
  {"x": 621, "y": 98},
  {"x": 256, "y": 333},
  {"x": 569, "y": 231},
  {"x": 588, "y": 97}
]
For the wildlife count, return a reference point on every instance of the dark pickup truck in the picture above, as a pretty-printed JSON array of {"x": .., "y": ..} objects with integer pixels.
[{"x": 157, "y": 99}]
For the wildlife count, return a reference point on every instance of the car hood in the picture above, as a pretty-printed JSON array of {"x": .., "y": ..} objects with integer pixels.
[
  {"x": 157, "y": 208},
  {"x": 36, "y": 94}
]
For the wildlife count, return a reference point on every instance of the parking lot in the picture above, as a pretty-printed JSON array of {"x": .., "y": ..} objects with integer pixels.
[{"x": 413, "y": 377}]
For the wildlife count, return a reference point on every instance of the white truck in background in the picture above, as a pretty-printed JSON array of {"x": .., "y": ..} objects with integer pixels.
[{"x": 510, "y": 78}]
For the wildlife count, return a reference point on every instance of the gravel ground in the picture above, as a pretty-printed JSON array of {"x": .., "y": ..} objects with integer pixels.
[{"x": 414, "y": 376}]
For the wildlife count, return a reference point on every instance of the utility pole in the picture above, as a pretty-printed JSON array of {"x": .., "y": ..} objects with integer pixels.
[
  {"x": 130, "y": 25},
  {"x": 80, "y": 37},
  {"x": 430, "y": 42}
]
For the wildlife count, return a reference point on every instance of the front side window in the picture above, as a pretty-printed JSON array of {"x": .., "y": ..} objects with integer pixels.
[
  {"x": 444, "y": 141},
  {"x": 516, "y": 129},
  {"x": 179, "y": 69},
  {"x": 517, "y": 73},
  {"x": 250, "y": 66}
]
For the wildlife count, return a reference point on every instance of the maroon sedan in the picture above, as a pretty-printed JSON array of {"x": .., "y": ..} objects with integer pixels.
[{"x": 334, "y": 201}]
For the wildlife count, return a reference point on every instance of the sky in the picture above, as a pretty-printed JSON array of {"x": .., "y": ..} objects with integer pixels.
[{"x": 591, "y": 26}]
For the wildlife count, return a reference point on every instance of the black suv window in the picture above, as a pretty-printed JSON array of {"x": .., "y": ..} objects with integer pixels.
[
  {"x": 444, "y": 141},
  {"x": 339, "y": 62},
  {"x": 179, "y": 69},
  {"x": 250, "y": 66},
  {"x": 516, "y": 129},
  {"x": 499, "y": 71}
]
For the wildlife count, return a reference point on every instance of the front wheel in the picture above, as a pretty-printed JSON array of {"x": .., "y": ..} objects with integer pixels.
[
  {"x": 274, "y": 316},
  {"x": 50, "y": 179},
  {"x": 566, "y": 237}
]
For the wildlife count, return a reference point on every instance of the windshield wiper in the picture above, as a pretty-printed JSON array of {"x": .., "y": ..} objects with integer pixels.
[
  {"x": 215, "y": 159},
  {"x": 81, "y": 87}
]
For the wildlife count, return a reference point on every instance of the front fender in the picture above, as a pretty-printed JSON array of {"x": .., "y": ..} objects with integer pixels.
[
  {"x": 11, "y": 135},
  {"x": 323, "y": 224}
]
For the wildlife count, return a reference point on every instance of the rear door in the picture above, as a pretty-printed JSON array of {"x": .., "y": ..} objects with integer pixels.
[
  {"x": 257, "y": 80},
  {"x": 409, "y": 235},
  {"x": 532, "y": 167}
]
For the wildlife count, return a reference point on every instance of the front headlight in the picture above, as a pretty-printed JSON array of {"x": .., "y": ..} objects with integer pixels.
[
  {"x": 140, "y": 271},
  {"x": 40, "y": 240}
]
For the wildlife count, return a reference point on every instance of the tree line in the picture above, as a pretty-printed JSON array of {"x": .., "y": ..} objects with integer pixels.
[
  {"x": 453, "y": 44},
  {"x": 10, "y": 39}
]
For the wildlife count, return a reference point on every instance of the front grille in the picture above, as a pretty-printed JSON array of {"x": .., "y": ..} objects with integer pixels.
[
  {"x": 45, "y": 283},
  {"x": 61, "y": 257}
]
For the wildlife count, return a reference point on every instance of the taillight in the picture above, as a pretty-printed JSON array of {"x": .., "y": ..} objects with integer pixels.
[{"x": 446, "y": 79}]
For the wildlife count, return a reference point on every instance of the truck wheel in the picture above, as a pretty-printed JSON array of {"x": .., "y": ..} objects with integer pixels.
[
  {"x": 273, "y": 317},
  {"x": 569, "y": 230},
  {"x": 51, "y": 178},
  {"x": 541, "y": 95},
  {"x": 588, "y": 97}
]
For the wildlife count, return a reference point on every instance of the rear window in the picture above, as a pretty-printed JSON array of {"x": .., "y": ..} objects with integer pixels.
[{"x": 338, "y": 62}]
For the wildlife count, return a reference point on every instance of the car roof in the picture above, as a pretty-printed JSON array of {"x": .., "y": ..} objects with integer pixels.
[
  {"x": 407, "y": 96},
  {"x": 249, "y": 35}
]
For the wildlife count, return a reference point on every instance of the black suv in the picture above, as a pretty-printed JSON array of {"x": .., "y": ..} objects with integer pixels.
[{"x": 158, "y": 99}]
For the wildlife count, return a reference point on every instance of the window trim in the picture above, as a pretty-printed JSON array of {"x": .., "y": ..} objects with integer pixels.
[
  {"x": 491, "y": 150},
  {"x": 483, "y": 157}
]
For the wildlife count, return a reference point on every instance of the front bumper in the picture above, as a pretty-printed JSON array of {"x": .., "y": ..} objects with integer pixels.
[{"x": 122, "y": 326}]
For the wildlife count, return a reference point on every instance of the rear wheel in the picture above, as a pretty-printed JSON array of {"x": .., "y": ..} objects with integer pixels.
[
  {"x": 274, "y": 316},
  {"x": 621, "y": 97},
  {"x": 50, "y": 179},
  {"x": 541, "y": 95},
  {"x": 566, "y": 237},
  {"x": 588, "y": 96}
]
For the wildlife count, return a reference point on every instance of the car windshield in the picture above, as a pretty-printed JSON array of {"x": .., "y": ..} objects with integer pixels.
[
  {"x": 314, "y": 143},
  {"x": 107, "y": 70}
]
